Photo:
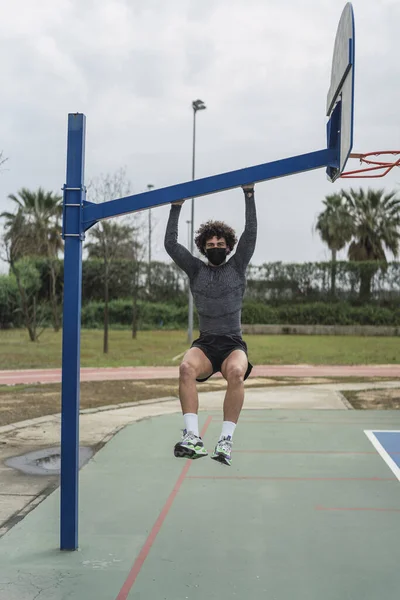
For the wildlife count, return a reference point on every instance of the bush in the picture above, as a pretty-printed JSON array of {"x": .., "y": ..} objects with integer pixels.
[
  {"x": 169, "y": 316},
  {"x": 159, "y": 315},
  {"x": 319, "y": 313},
  {"x": 9, "y": 317},
  {"x": 150, "y": 315},
  {"x": 10, "y": 299},
  {"x": 167, "y": 281},
  {"x": 275, "y": 283},
  {"x": 308, "y": 283}
]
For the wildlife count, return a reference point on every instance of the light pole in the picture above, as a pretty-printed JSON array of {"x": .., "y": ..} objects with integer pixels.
[
  {"x": 150, "y": 186},
  {"x": 196, "y": 105},
  {"x": 188, "y": 234}
]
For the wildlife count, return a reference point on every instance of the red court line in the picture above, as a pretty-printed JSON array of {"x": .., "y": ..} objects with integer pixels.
[
  {"x": 134, "y": 572},
  {"x": 356, "y": 508},
  {"x": 272, "y": 478}
]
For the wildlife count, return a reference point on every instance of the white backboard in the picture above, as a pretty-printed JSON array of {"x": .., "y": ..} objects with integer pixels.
[{"x": 342, "y": 82}]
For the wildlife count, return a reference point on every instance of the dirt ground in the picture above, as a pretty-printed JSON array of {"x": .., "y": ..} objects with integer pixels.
[
  {"x": 374, "y": 399},
  {"x": 21, "y": 402}
]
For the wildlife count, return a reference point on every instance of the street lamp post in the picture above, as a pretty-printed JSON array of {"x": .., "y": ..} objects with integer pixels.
[
  {"x": 150, "y": 186},
  {"x": 188, "y": 234},
  {"x": 196, "y": 105}
]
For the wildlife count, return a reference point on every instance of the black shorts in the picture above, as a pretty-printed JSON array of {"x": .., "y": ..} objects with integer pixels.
[{"x": 218, "y": 347}]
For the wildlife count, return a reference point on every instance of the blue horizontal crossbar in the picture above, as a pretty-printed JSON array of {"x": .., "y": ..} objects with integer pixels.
[{"x": 209, "y": 185}]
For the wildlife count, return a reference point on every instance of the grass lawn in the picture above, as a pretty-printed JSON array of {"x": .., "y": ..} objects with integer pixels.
[{"x": 158, "y": 348}]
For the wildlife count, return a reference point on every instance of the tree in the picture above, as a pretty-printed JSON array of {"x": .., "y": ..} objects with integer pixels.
[
  {"x": 376, "y": 229},
  {"x": 335, "y": 227},
  {"x": 35, "y": 230},
  {"x": 21, "y": 234},
  {"x": 137, "y": 262},
  {"x": 42, "y": 212},
  {"x": 27, "y": 279},
  {"x": 111, "y": 240}
]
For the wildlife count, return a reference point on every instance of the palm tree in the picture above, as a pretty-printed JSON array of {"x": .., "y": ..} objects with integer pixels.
[
  {"x": 42, "y": 214},
  {"x": 35, "y": 230},
  {"x": 335, "y": 225},
  {"x": 22, "y": 235},
  {"x": 376, "y": 228}
]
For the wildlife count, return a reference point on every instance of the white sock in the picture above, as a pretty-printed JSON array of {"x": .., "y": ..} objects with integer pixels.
[
  {"x": 191, "y": 423},
  {"x": 227, "y": 429}
]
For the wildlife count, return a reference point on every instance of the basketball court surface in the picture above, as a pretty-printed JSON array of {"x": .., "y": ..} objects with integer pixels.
[{"x": 310, "y": 509}]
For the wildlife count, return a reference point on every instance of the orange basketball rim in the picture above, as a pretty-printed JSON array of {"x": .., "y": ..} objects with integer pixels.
[{"x": 373, "y": 165}]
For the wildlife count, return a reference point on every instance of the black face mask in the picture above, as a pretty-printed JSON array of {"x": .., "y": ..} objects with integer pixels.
[{"x": 216, "y": 256}]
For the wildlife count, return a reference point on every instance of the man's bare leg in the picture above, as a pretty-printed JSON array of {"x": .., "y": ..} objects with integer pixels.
[
  {"x": 233, "y": 369},
  {"x": 195, "y": 365}
]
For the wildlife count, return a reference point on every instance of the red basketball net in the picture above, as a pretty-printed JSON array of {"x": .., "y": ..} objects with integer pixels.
[{"x": 373, "y": 165}]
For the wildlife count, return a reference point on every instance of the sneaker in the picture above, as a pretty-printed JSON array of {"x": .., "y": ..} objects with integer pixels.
[
  {"x": 191, "y": 446},
  {"x": 223, "y": 451}
]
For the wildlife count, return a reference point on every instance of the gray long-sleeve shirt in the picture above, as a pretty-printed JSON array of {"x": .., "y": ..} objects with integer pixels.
[{"x": 217, "y": 291}]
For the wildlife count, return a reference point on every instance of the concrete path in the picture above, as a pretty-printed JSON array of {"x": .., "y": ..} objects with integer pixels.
[{"x": 106, "y": 374}]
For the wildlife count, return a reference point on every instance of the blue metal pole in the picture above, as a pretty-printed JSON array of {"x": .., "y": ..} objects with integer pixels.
[
  {"x": 74, "y": 196},
  {"x": 191, "y": 246},
  {"x": 210, "y": 185}
]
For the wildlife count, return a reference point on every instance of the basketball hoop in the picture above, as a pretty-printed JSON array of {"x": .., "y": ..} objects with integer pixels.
[{"x": 374, "y": 165}]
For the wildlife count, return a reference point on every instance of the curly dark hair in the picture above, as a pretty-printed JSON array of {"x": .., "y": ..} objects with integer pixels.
[{"x": 211, "y": 229}]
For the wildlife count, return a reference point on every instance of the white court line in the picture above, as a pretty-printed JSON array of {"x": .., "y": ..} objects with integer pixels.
[{"x": 381, "y": 450}]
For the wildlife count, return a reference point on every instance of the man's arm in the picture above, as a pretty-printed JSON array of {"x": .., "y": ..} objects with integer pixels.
[
  {"x": 247, "y": 242},
  {"x": 179, "y": 254}
]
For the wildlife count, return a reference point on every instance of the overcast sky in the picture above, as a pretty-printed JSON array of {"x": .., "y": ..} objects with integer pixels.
[{"x": 134, "y": 66}]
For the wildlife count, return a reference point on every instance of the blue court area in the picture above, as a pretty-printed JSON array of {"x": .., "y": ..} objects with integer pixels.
[
  {"x": 308, "y": 510},
  {"x": 387, "y": 443}
]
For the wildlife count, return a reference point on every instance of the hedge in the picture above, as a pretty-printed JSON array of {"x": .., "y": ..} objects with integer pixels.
[
  {"x": 168, "y": 282},
  {"x": 272, "y": 283},
  {"x": 319, "y": 313},
  {"x": 355, "y": 282},
  {"x": 168, "y": 316},
  {"x": 150, "y": 315}
]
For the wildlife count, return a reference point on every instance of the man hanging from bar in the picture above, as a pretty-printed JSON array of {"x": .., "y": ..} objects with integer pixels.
[{"x": 218, "y": 287}]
